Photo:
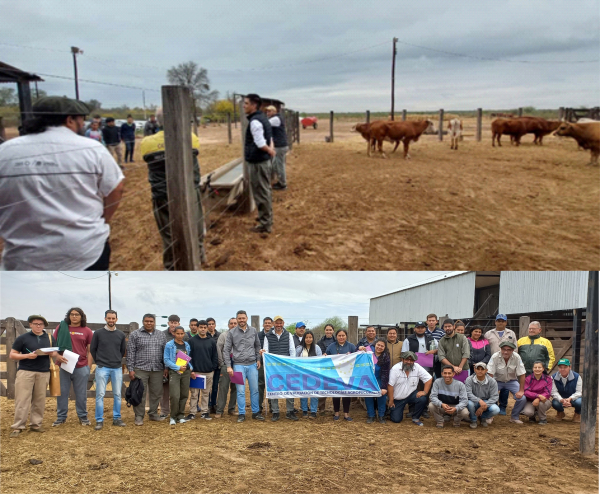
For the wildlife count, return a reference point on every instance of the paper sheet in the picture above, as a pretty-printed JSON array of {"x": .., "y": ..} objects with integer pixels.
[
  {"x": 46, "y": 351},
  {"x": 72, "y": 359}
]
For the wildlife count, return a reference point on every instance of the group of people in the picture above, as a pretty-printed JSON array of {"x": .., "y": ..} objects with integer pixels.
[{"x": 155, "y": 358}]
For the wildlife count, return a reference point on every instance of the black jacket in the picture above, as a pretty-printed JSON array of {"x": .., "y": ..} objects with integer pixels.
[
  {"x": 204, "y": 354},
  {"x": 324, "y": 342},
  {"x": 111, "y": 135}
]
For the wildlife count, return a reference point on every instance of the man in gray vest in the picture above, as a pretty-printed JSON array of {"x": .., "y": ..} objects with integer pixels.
[
  {"x": 280, "y": 342},
  {"x": 281, "y": 146},
  {"x": 257, "y": 154}
]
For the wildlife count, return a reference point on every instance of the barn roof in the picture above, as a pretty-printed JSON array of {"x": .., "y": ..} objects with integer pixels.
[{"x": 8, "y": 73}]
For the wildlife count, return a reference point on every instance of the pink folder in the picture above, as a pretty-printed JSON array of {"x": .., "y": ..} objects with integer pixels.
[
  {"x": 424, "y": 360},
  {"x": 237, "y": 378},
  {"x": 462, "y": 377}
]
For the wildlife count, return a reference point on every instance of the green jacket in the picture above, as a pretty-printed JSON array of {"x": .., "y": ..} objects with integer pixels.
[{"x": 454, "y": 349}]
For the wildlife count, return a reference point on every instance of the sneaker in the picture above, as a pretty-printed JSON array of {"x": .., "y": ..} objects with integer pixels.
[
  {"x": 99, "y": 426},
  {"x": 381, "y": 420},
  {"x": 182, "y": 421},
  {"x": 172, "y": 422},
  {"x": 515, "y": 421},
  {"x": 484, "y": 423},
  {"x": 416, "y": 422},
  {"x": 313, "y": 415},
  {"x": 278, "y": 186},
  {"x": 164, "y": 415},
  {"x": 370, "y": 420},
  {"x": 576, "y": 417},
  {"x": 190, "y": 417},
  {"x": 84, "y": 422},
  {"x": 241, "y": 418},
  {"x": 543, "y": 422},
  {"x": 473, "y": 425},
  {"x": 58, "y": 422},
  {"x": 489, "y": 421},
  {"x": 233, "y": 412},
  {"x": 16, "y": 433},
  {"x": 348, "y": 419},
  {"x": 275, "y": 417},
  {"x": 291, "y": 416},
  {"x": 560, "y": 415},
  {"x": 206, "y": 416},
  {"x": 502, "y": 411},
  {"x": 304, "y": 414},
  {"x": 218, "y": 415},
  {"x": 336, "y": 417},
  {"x": 258, "y": 416},
  {"x": 425, "y": 415},
  {"x": 156, "y": 418},
  {"x": 260, "y": 229},
  {"x": 119, "y": 423},
  {"x": 140, "y": 421},
  {"x": 38, "y": 429},
  {"x": 440, "y": 425}
]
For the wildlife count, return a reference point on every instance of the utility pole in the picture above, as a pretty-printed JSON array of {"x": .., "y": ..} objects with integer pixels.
[
  {"x": 394, "y": 52},
  {"x": 144, "y": 102},
  {"x": 75, "y": 51},
  {"x": 37, "y": 94}
]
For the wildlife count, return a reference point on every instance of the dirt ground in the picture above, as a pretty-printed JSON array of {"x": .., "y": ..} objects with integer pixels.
[
  {"x": 305, "y": 456},
  {"x": 476, "y": 208}
]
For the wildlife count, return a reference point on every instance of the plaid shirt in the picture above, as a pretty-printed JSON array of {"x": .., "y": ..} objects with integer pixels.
[{"x": 145, "y": 350}]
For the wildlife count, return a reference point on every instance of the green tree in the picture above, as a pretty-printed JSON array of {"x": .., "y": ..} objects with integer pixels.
[
  {"x": 336, "y": 321},
  {"x": 94, "y": 104},
  {"x": 196, "y": 79},
  {"x": 8, "y": 96},
  {"x": 40, "y": 94}
]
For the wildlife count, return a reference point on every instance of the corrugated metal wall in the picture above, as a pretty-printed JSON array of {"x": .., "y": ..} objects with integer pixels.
[
  {"x": 541, "y": 291},
  {"x": 454, "y": 296}
]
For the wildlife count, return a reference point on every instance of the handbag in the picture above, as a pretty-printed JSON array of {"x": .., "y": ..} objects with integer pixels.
[{"x": 54, "y": 384}]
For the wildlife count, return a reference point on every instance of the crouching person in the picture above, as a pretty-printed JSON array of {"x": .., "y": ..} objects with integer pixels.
[
  {"x": 482, "y": 392},
  {"x": 538, "y": 391},
  {"x": 566, "y": 390},
  {"x": 402, "y": 388},
  {"x": 448, "y": 397}
]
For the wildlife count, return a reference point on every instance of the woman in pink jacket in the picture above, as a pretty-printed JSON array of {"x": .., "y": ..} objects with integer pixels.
[{"x": 538, "y": 389}]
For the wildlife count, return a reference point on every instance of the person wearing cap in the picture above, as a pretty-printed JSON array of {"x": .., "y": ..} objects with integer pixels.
[
  {"x": 506, "y": 367},
  {"x": 281, "y": 146},
  {"x": 448, "y": 397},
  {"x": 420, "y": 341},
  {"x": 112, "y": 138},
  {"x": 203, "y": 351},
  {"x": 152, "y": 149},
  {"x": 58, "y": 193},
  {"x": 533, "y": 348},
  {"x": 33, "y": 375},
  {"x": 482, "y": 392},
  {"x": 538, "y": 392},
  {"x": 179, "y": 375},
  {"x": 300, "y": 329},
  {"x": 402, "y": 388},
  {"x": 280, "y": 342},
  {"x": 368, "y": 340},
  {"x": 257, "y": 154},
  {"x": 267, "y": 326},
  {"x": 454, "y": 348},
  {"x": 225, "y": 384},
  {"x": 496, "y": 336},
  {"x": 566, "y": 390}
]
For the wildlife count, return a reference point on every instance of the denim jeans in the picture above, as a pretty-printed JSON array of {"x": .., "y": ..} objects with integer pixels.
[
  {"x": 503, "y": 401},
  {"x": 370, "y": 403},
  {"x": 79, "y": 378},
  {"x": 558, "y": 406},
  {"x": 129, "y": 147},
  {"x": 250, "y": 373},
  {"x": 103, "y": 374},
  {"x": 491, "y": 411},
  {"x": 397, "y": 413},
  {"x": 513, "y": 387},
  {"x": 314, "y": 403}
]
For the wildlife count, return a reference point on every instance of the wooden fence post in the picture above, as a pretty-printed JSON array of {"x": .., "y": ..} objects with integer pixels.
[
  {"x": 587, "y": 435},
  {"x": 524, "y": 326},
  {"x": 2, "y": 130},
  {"x": 183, "y": 207},
  {"x": 404, "y": 115},
  {"x": 520, "y": 112},
  {"x": 297, "y": 124},
  {"x": 255, "y": 322},
  {"x": 368, "y": 116},
  {"x": 331, "y": 126},
  {"x": 479, "y": 124},
  {"x": 576, "y": 339},
  {"x": 229, "y": 127},
  {"x": 441, "y": 129},
  {"x": 561, "y": 112},
  {"x": 353, "y": 329}
]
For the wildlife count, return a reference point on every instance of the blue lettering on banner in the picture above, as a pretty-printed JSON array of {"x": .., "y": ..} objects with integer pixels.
[{"x": 335, "y": 375}]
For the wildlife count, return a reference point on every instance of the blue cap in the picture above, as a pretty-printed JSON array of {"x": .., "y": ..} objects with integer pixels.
[
  {"x": 421, "y": 323},
  {"x": 300, "y": 324},
  {"x": 502, "y": 316}
]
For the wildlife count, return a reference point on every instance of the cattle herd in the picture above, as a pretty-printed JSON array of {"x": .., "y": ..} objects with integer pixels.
[{"x": 585, "y": 132}]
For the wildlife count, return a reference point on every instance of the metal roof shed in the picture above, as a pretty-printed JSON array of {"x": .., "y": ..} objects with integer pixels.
[{"x": 8, "y": 73}]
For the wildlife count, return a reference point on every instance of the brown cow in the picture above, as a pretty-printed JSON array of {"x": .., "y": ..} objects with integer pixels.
[
  {"x": 400, "y": 131},
  {"x": 539, "y": 127},
  {"x": 587, "y": 136},
  {"x": 513, "y": 127},
  {"x": 365, "y": 130}
]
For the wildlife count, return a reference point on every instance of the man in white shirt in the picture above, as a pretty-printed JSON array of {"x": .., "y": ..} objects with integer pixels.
[
  {"x": 58, "y": 192},
  {"x": 402, "y": 388},
  {"x": 566, "y": 390},
  {"x": 496, "y": 336},
  {"x": 281, "y": 146},
  {"x": 257, "y": 154}
]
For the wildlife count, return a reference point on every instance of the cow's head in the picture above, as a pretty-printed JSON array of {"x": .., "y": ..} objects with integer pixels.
[
  {"x": 564, "y": 129},
  {"x": 361, "y": 127},
  {"x": 430, "y": 127}
]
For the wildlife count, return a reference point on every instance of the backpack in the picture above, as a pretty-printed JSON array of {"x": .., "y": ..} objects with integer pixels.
[{"x": 134, "y": 393}]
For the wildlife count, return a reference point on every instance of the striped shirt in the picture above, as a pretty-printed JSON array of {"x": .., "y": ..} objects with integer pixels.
[
  {"x": 437, "y": 333},
  {"x": 145, "y": 350}
]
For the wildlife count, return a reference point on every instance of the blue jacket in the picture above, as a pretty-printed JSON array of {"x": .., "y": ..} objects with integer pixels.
[
  {"x": 336, "y": 349},
  {"x": 128, "y": 132},
  {"x": 170, "y": 355}
]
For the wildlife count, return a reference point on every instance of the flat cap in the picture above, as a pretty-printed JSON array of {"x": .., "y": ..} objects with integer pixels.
[
  {"x": 409, "y": 354},
  {"x": 508, "y": 343},
  {"x": 59, "y": 105},
  {"x": 37, "y": 316}
]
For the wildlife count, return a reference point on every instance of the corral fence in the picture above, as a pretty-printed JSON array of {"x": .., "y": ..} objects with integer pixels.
[{"x": 574, "y": 114}]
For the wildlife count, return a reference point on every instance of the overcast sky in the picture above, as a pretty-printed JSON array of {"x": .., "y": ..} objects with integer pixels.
[
  {"x": 316, "y": 55},
  {"x": 297, "y": 296}
]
